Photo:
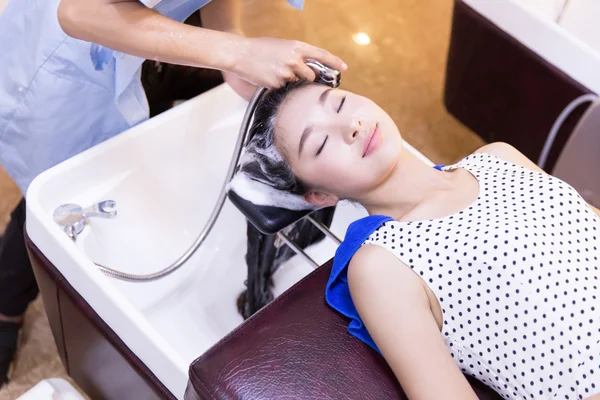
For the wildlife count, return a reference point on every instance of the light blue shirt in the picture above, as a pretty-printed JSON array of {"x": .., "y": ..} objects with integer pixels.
[{"x": 60, "y": 96}]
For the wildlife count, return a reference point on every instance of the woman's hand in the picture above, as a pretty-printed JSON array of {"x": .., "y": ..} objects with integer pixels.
[{"x": 273, "y": 62}]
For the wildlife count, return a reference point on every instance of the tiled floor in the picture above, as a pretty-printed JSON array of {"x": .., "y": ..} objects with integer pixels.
[{"x": 402, "y": 70}]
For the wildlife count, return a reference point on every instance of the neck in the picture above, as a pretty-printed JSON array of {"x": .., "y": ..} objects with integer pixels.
[{"x": 410, "y": 184}]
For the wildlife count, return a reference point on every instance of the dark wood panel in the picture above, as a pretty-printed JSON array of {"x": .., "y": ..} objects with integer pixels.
[
  {"x": 95, "y": 357},
  {"x": 502, "y": 90}
]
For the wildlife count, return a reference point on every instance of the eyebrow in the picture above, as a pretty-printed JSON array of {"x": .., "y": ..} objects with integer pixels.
[
  {"x": 309, "y": 129},
  {"x": 324, "y": 95}
]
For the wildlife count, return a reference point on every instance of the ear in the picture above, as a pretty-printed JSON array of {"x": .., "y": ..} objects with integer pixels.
[{"x": 321, "y": 199}]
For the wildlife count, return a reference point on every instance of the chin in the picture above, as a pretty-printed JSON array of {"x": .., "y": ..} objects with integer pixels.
[{"x": 389, "y": 164}]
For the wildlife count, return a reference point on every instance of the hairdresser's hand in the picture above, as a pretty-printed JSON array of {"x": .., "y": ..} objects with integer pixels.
[
  {"x": 243, "y": 88},
  {"x": 272, "y": 62}
]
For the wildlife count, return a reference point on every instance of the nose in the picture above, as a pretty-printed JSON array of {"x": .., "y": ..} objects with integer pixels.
[{"x": 353, "y": 131}]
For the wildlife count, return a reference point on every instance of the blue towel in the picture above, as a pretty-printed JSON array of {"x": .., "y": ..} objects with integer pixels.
[{"x": 337, "y": 293}]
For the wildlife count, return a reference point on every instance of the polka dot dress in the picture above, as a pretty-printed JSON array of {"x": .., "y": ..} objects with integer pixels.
[{"x": 516, "y": 275}]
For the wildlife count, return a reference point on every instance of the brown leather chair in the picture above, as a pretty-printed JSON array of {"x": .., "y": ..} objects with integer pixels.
[{"x": 296, "y": 348}]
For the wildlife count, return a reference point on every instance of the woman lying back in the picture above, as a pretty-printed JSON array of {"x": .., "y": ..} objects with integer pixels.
[{"x": 488, "y": 266}]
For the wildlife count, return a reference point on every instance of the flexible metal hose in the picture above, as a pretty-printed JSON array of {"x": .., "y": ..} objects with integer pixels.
[
  {"x": 241, "y": 140},
  {"x": 558, "y": 123},
  {"x": 326, "y": 76}
]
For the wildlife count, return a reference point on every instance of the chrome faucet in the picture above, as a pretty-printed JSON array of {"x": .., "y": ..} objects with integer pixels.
[
  {"x": 326, "y": 75},
  {"x": 72, "y": 217}
]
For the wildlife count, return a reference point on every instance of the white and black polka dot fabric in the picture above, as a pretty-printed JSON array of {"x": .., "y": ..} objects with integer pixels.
[{"x": 516, "y": 275}]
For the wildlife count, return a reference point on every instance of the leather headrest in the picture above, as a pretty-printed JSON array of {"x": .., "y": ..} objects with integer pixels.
[{"x": 267, "y": 219}]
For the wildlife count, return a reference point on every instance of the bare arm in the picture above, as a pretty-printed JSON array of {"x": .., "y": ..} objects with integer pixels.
[
  {"x": 225, "y": 15},
  {"x": 130, "y": 27},
  {"x": 509, "y": 153},
  {"x": 393, "y": 304}
]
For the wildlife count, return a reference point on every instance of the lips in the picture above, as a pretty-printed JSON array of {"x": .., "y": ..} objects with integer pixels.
[{"x": 372, "y": 140}]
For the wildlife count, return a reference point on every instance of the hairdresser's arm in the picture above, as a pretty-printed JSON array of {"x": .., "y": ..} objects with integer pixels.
[
  {"x": 130, "y": 27},
  {"x": 508, "y": 153},
  {"x": 226, "y": 16},
  {"x": 394, "y": 306}
]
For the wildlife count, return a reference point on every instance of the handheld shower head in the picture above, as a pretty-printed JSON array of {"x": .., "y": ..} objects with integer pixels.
[
  {"x": 262, "y": 208},
  {"x": 261, "y": 215},
  {"x": 326, "y": 75}
]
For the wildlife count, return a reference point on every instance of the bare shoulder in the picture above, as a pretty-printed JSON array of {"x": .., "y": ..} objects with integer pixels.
[
  {"x": 502, "y": 150},
  {"x": 370, "y": 255},
  {"x": 372, "y": 263},
  {"x": 508, "y": 153},
  {"x": 499, "y": 149}
]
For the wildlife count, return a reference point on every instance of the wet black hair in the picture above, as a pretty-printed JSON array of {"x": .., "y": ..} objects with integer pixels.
[{"x": 266, "y": 164}]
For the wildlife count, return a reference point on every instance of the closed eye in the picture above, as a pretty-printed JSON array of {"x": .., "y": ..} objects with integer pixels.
[
  {"x": 341, "y": 104},
  {"x": 323, "y": 145}
]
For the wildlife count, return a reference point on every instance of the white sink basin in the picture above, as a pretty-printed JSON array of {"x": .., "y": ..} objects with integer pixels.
[
  {"x": 564, "y": 33},
  {"x": 165, "y": 175}
]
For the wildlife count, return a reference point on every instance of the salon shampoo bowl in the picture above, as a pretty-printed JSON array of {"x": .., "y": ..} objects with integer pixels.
[
  {"x": 514, "y": 65},
  {"x": 117, "y": 337}
]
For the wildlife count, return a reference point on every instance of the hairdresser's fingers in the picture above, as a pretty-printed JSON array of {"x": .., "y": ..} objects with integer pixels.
[
  {"x": 303, "y": 71},
  {"x": 284, "y": 76},
  {"x": 324, "y": 57}
]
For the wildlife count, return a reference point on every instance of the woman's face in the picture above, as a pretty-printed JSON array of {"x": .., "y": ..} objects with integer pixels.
[{"x": 337, "y": 142}]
